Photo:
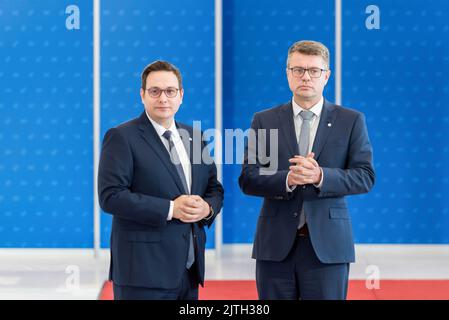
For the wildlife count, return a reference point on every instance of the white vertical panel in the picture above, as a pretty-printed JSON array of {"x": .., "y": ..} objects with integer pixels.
[
  {"x": 96, "y": 124},
  {"x": 218, "y": 113}
]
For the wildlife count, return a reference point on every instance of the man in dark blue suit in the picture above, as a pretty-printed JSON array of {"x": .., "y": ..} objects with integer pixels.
[
  {"x": 304, "y": 243},
  {"x": 160, "y": 196}
]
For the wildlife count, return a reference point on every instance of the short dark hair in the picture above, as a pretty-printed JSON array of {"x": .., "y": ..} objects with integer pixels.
[{"x": 160, "y": 65}]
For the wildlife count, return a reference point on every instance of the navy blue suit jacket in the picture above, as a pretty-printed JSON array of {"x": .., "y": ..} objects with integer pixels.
[
  {"x": 343, "y": 150},
  {"x": 136, "y": 182}
]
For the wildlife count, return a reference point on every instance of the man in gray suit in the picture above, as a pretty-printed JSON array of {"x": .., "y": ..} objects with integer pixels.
[{"x": 304, "y": 243}]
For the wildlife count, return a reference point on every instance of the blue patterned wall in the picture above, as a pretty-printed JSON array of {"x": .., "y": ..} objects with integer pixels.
[
  {"x": 134, "y": 34},
  {"x": 257, "y": 35},
  {"x": 395, "y": 75},
  {"x": 46, "y": 171}
]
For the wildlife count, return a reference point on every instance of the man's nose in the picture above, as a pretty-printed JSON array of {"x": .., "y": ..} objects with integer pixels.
[
  {"x": 306, "y": 76},
  {"x": 163, "y": 97}
]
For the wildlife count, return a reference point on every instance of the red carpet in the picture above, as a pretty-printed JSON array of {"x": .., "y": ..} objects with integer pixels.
[{"x": 389, "y": 290}]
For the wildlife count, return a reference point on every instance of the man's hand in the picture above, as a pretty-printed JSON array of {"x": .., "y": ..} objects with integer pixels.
[
  {"x": 304, "y": 170},
  {"x": 190, "y": 208}
]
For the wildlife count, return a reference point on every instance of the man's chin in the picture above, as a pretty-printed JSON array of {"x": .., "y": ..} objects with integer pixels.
[
  {"x": 165, "y": 115},
  {"x": 162, "y": 118},
  {"x": 306, "y": 97}
]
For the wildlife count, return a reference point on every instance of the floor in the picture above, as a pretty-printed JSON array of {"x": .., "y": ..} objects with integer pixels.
[{"x": 76, "y": 274}]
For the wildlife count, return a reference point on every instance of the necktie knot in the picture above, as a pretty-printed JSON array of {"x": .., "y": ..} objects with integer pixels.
[
  {"x": 306, "y": 115},
  {"x": 167, "y": 135}
]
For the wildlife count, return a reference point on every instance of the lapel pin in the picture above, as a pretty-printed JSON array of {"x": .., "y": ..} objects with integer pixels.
[{"x": 329, "y": 124}]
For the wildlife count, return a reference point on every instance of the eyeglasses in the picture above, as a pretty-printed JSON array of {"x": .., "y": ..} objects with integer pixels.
[
  {"x": 298, "y": 72},
  {"x": 156, "y": 92}
]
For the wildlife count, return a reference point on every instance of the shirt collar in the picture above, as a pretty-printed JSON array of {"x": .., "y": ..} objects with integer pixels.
[
  {"x": 160, "y": 129},
  {"x": 316, "y": 109}
]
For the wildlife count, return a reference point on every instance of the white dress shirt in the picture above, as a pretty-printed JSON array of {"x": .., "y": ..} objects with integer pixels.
[{"x": 183, "y": 156}]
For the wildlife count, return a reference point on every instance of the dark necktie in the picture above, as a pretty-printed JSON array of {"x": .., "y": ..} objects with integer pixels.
[{"x": 177, "y": 163}]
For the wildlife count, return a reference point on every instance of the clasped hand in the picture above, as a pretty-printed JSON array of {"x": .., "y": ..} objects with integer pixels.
[
  {"x": 304, "y": 170},
  {"x": 190, "y": 208}
]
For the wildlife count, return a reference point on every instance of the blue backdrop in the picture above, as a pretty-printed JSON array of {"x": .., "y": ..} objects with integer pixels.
[
  {"x": 395, "y": 75},
  {"x": 46, "y": 170},
  {"x": 134, "y": 34}
]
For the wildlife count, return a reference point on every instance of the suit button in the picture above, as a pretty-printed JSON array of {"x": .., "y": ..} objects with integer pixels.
[{"x": 295, "y": 214}]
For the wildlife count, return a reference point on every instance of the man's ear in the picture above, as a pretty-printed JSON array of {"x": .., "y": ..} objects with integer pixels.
[
  {"x": 142, "y": 94},
  {"x": 328, "y": 75},
  {"x": 181, "y": 94}
]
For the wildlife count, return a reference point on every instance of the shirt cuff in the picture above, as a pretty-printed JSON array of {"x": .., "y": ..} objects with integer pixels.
[
  {"x": 287, "y": 187},
  {"x": 170, "y": 211},
  {"x": 319, "y": 185}
]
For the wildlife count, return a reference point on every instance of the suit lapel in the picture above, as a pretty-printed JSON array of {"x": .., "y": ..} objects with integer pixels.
[
  {"x": 149, "y": 134},
  {"x": 288, "y": 128},
  {"x": 327, "y": 119}
]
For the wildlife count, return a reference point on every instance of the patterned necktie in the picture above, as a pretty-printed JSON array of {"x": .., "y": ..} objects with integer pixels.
[
  {"x": 304, "y": 138},
  {"x": 304, "y": 135}
]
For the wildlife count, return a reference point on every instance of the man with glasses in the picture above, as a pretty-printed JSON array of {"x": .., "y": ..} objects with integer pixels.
[
  {"x": 304, "y": 243},
  {"x": 160, "y": 199}
]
